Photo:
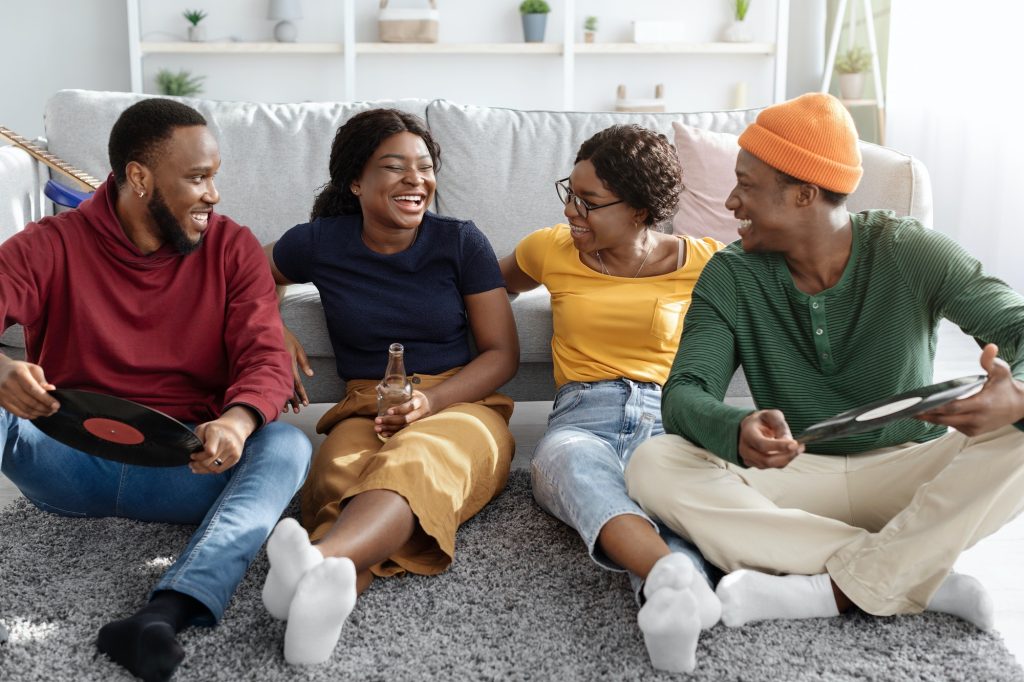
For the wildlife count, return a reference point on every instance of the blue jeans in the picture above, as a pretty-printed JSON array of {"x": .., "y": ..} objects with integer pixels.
[
  {"x": 235, "y": 510},
  {"x": 577, "y": 467}
]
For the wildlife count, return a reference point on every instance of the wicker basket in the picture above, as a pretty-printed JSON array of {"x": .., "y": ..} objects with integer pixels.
[{"x": 408, "y": 25}]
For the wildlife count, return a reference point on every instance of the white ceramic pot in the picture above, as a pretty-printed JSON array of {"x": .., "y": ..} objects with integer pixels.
[
  {"x": 851, "y": 85},
  {"x": 737, "y": 32},
  {"x": 197, "y": 33}
]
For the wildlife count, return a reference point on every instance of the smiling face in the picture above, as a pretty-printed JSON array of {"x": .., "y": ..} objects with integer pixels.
[
  {"x": 603, "y": 228},
  {"x": 396, "y": 185},
  {"x": 183, "y": 193},
  {"x": 761, "y": 204}
]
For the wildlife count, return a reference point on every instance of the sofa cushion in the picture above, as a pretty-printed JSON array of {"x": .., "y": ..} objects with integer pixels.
[
  {"x": 708, "y": 160},
  {"x": 532, "y": 310},
  {"x": 273, "y": 156},
  {"x": 499, "y": 166}
]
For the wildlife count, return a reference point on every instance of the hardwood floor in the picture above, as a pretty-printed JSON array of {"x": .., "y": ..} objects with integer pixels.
[{"x": 993, "y": 561}]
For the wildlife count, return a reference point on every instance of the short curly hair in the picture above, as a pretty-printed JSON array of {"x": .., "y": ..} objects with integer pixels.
[
  {"x": 142, "y": 129},
  {"x": 639, "y": 165}
]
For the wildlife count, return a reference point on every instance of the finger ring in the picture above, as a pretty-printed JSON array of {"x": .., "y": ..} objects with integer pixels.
[{"x": 218, "y": 462}]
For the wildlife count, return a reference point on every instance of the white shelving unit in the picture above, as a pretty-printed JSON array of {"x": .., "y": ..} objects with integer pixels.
[
  {"x": 566, "y": 50},
  {"x": 876, "y": 73}
]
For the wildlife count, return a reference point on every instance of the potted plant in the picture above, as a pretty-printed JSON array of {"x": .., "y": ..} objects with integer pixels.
[
  {"x": 535, "y": 17},
  {"x": 196, "y": 33},
  {"x": 851, "y": 66},
  {"x": 737, "y": 31},
  {"x": 589, "y": 29},
  {"x": 181, "y": 84}
]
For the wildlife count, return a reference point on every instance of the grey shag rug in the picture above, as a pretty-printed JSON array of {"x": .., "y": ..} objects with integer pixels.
[{"x": 521, "y": 602}]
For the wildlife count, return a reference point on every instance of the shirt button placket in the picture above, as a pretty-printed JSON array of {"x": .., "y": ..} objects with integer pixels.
[{"x": 819, "y": 324}]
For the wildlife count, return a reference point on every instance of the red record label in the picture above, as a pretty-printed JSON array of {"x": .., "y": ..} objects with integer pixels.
[{"x": 113, "y": 431}]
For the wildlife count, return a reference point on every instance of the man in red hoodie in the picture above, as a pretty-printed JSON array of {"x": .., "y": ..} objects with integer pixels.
[{"x": 143, "y": 292}]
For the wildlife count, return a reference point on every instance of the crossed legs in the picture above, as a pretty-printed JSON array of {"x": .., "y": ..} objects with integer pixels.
[
  {"x": 880, "y": 529},
  {"x": 379, "y": 510},
  {"x": 314, "y": 587}
]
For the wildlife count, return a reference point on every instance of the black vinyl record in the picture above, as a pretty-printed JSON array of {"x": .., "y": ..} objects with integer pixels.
[
  {"x": 118, "y": 430},
  {"x": 873, "y": 415}
]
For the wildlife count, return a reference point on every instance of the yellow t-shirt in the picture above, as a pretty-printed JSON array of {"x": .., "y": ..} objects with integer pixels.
[{"x": 607, "y": 327}]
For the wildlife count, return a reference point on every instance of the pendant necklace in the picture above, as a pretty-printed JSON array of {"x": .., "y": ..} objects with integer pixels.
[{"x": 650, "y": 247}]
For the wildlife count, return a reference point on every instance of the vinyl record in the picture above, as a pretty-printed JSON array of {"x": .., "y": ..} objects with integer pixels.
[
  {"x": 118, "y": 430},
  {"x": 874, "y": 415}
]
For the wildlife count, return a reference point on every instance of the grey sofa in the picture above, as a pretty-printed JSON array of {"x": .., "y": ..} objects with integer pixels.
[{"x": 498, "y": 169}]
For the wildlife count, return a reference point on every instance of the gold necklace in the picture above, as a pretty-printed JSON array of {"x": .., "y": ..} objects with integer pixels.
[{"x": 650, "y": 247}]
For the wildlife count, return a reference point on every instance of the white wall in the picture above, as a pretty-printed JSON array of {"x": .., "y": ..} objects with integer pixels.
[
  {"x": 48, "y": 45},
  {"x": 83, "y": 44}
]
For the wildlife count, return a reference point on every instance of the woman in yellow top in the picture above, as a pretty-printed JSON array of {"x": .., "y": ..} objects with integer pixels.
[{"x": 619, "y": 290}]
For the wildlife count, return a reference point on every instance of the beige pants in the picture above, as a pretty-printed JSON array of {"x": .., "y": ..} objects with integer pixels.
[{"x": 886, "y": 525}]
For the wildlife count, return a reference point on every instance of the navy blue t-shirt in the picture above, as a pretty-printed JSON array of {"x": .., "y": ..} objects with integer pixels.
[{"x": 372, "y": 300}]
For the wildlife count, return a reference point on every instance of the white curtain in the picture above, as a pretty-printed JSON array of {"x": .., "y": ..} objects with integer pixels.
[{"x": 956, "y": 101}]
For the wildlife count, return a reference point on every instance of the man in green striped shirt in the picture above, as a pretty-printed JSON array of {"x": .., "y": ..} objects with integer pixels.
[{"x": 826, "y": 311}]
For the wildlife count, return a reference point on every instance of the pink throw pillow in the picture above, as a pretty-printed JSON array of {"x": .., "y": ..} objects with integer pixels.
[{"x": 709, "y": 174}]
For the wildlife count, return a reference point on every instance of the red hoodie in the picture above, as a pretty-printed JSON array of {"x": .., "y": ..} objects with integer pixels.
[{"x": 186, "y": 335}]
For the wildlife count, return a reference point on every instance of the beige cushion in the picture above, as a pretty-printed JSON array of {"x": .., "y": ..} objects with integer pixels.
[{"x": 892, "y": 180}]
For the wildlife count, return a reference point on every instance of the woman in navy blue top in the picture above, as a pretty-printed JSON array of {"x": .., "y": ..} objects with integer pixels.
[{"x": 386, "y": 494}]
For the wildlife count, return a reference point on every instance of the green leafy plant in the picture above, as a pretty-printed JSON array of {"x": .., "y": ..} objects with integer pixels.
[
  {"x": 534, "y": 7},
  {"x": 740, "y": 9},
  {"x": 194, "y": 16},
  {"x": 181, "y": 84},
  {"x": 590, "y": 24},
  {"x": 855, "y": 60}
]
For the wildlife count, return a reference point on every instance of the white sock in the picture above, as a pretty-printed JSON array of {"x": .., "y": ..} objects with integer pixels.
[
  {"x": 324, "y": 598},
  {"x": 671, "y": 628},
  {"x": 749, "y": 595},
  {"x": 290, "y": 556},
  {"x": 676, "y": 571},
  {"x": 964, "y": 597}
]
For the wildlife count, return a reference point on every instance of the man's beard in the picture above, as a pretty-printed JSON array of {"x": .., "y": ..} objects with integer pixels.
[{"x": 170, "y": 229}]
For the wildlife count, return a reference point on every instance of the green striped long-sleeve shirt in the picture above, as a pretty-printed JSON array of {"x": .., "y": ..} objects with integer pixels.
[{"x": 869, "y": 337}]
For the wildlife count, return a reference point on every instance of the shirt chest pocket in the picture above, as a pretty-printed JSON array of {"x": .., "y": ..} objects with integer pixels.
[{"x": 668, "y": 317}]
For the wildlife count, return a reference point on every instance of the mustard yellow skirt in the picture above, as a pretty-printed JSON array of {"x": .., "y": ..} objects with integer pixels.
[{"x": 447, "y": 466}]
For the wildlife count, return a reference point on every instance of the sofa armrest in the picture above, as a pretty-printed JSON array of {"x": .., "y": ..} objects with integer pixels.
[{"x": 22, "y": 180}]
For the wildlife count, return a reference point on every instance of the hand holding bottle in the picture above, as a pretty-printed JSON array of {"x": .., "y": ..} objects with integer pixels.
[
  {"x": 398, "y": 416},
  {"x": 393, "y": 391}
]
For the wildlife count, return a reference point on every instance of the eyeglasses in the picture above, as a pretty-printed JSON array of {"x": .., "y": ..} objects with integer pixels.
[{"x": 583, "y": 206}]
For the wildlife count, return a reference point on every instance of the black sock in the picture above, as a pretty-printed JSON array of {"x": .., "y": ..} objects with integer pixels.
[{"x": 145, "y": 644}]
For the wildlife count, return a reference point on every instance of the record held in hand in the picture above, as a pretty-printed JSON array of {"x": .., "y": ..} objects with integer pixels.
[
  {"x": 118, "y": 430},
  {"x": 875, "y": 414}
]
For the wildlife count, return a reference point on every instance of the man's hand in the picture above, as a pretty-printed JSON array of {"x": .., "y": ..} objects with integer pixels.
[
  {"x": 23, "y": 389},
  {"x": 223, "y": 440},
  {"x": 400, "y": 416},
  {"x": 299, "y": 362},
  {"x": 765, "y": 441},
  {"x": 999, "y": 402}
]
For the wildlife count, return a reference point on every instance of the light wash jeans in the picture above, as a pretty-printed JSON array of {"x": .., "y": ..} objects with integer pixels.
[
  {"x": 578, "y": 465},
  {"x": 235, "y": 510}
]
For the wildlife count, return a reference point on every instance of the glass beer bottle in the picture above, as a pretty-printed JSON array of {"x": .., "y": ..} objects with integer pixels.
[{"x": 395, "y": 388}]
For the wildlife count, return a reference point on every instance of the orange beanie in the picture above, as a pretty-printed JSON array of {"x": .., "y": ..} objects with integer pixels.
[{"x": 812, "y": 138}]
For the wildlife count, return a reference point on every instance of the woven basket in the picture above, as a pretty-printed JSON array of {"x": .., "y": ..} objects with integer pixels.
[{"x": 408, "y": 25}]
